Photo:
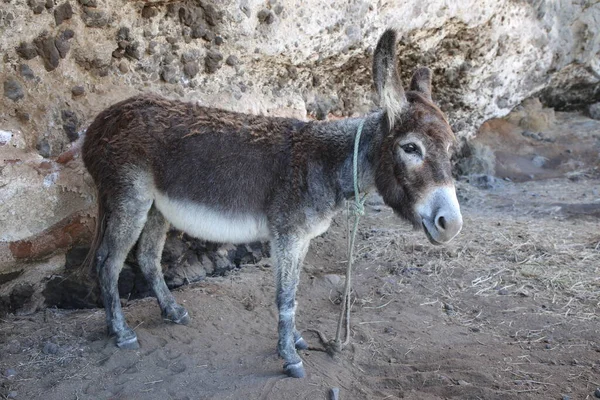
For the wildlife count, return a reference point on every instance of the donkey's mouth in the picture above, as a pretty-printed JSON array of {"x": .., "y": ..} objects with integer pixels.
[{"x": 431, "y": 239}]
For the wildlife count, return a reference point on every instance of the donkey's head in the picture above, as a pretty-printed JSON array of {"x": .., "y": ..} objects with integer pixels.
[{"x": 414, "y": 173}]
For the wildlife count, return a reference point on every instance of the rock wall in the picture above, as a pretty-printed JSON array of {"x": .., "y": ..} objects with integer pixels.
[{"x": 65, "y": 60}]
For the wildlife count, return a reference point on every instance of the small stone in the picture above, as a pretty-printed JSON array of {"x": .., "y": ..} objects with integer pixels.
[
  {"x": 13, "y": 89},
  {"x": 219, "y": 40},
  {"x": 475, "y": 329},
  {"x": 12, "y": 394},
  {"x": 27, "y": 51},
  {"x": 211, "y": 15},
  {"x": 503, "y": 292},
  {"x": 62, "y": 45},
  {"x": 152, "y": 47},
  {"x": 37, "y": 6},
  {"x": 449, "y": 308},
  {"x": 594, "y": 111},
  {"x": 597, "y": 392},
  {"x": 169, "y": 58},
  {"x": 123, "y": 67},
  {"x": 123, "y": 34},
  {"x": 334, "y": 393},
  {"x": 46, "y": 48},
  {"x": 134, "y": 50},
  {"x": 77, "y": 91},
  {"x": 212, "y": 61},
  {"x": 232, "y": 61},
  {"x": 23, "y": 116},
  {"x": 94, "y": 18},
  {"x": 168, "y": 74},
  {"x": 89, "y": 3},
  {"x": 463, "y": 383},
  {"x": 565, "y": 397},
  {"x": 149, "y": 11},
  {"x": 191, "y": 69},
  {"x": 266, "y": 16},
  {"x": 189, "y": 56},
  {"x": 49, "y": 4},
  {"x": 539, "y": 161},
  {"x": 26, "y": 72},
  {"x": 43, "y": 147},
  {"x": 62, "y": 13},
  {"x": 209, "y": 36},
  {"x": 118, "y": 53},
  {"x": 70, "y": 124}
]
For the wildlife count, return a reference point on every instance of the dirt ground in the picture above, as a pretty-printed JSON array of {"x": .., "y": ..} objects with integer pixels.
[{"x": 508, "y": 310}]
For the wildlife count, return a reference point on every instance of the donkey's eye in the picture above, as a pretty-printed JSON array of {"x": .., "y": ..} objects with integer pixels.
[{"x": 411, "y": 148}]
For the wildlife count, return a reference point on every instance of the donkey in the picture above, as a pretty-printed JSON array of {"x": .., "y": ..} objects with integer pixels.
[{"x": 230, "y": 177}]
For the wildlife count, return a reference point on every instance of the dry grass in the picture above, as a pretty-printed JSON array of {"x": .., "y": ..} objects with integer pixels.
[{"x": 500, "y": 251}]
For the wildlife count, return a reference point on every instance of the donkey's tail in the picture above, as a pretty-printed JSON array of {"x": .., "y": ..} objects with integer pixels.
[{"x": 88, "y": 267}]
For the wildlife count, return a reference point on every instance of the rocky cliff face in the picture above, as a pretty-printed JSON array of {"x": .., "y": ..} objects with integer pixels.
[{"x": 65, "y": 60}]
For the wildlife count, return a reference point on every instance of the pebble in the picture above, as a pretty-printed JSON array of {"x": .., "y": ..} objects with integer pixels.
[
  {"x": 123, "y": 67},
  {"x": 13, "y": 89},
  {"x": 565, "y": 397},
  {"x": 334, "y": 393},
  {"x": 212, "y": 61},
  {"x": 62, "y": 13},
  {"x": 12, "y": 395},
  {"x": 46, "y": 48},
  {"x": 503, "y": 292},
  {"x": 266, "y": 16},
  {"x": 27, "y": 51},
  {"x": 9, "y": 373},
  {"x": 77, "y": 90},
  {"x": 232, "y": 61},
  {"x": 191, "y": 69},
  {"x": 26, "y": 72},
  {"x": 597, "y": 392}
]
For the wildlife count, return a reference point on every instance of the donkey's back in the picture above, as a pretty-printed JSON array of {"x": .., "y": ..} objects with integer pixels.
[{"x": 211, "y": 172}]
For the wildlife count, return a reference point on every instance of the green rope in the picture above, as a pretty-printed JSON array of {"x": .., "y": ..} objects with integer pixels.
[{"x": 358, "y": 211}]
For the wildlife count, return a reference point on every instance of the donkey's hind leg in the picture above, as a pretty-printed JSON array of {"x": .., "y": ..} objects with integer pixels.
[
  {"x": 124, "y": 221},
  {"x": 149, "y": 251}
]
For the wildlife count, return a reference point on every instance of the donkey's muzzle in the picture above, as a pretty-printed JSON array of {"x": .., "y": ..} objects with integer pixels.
[{"x": 440, "y": 215}]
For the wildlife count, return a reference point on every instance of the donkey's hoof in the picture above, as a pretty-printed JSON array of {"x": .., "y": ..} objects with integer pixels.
[
  {"x": 295, "y": 370},
  {"x": 177, "y": 315},
  {"x": 128, "y": 340},
  {"x": 301, "y": 344}
]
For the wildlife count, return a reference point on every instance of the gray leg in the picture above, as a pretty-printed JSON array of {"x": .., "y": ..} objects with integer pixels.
[
  {"x": 288, "y": 251},
  {"x": 124, "y": 222},
  {"x": 299, "y": 342},
  {"x": 149, "y": 251}
]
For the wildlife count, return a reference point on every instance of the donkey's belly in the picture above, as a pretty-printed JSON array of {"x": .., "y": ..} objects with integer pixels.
[{"x": 210, "y": 224}]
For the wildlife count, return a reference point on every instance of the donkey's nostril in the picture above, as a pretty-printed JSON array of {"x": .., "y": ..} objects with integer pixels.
[{"x": 441, "y": 223}]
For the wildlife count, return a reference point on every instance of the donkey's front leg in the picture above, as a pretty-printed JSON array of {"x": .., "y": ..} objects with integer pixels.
[{"x": 289, "y": 250}]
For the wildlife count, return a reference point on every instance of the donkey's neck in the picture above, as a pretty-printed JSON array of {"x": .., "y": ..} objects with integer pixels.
[{"x": 341, "y": 136}]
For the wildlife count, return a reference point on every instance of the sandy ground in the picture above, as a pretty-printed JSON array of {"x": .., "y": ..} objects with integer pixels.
[{"x": 509, "y": 310}]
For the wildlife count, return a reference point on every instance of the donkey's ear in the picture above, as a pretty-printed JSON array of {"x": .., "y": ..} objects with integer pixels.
[
  {"x": 421, "y": 82},
  {"x": 385, "y": 75}
]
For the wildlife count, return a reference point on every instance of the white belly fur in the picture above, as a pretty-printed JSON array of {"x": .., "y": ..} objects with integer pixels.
[{"x": 210, "y": 224}]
